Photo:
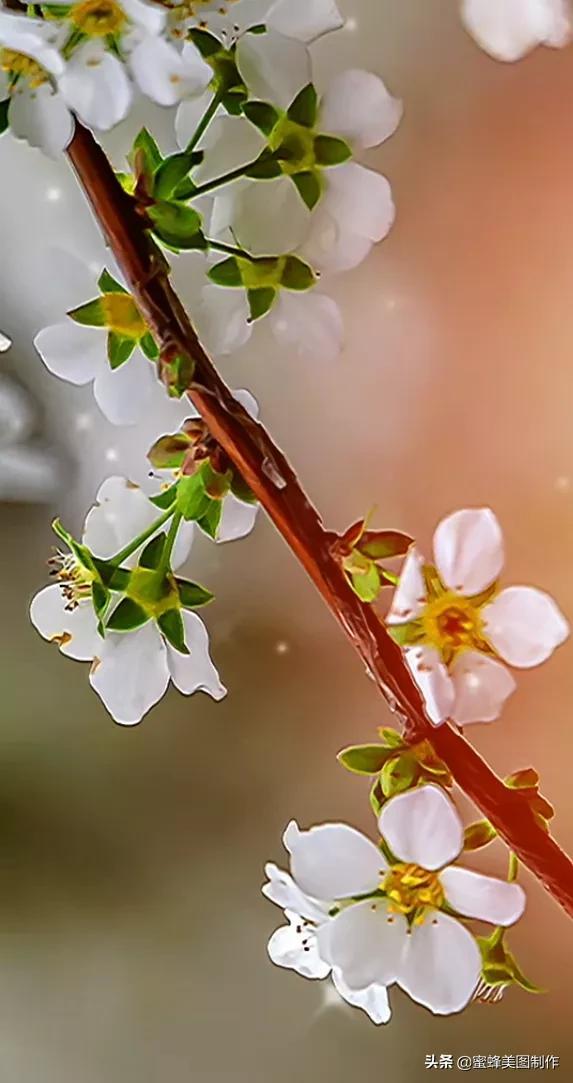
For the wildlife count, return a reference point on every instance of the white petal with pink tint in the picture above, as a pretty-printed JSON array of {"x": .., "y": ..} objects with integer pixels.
[
  {"x": 483, "y": 897},
  {"x": 434, "y": 682},
  {"x": 422, "y": 826},
  {"x": 524, "y": 625},
  {"x": 410, "y": 595},
  {"x": 481, "y": 685},
  {"x": 468, "y": 550}
]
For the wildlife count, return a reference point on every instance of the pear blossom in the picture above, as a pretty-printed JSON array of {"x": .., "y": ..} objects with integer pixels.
[
  {"x": 305, "y": 20},
  {"x": 508, "y": 29},
  {"x": 352, "y": 208},
  {"x": 295, "y": 946},
  {"x": 130, "y": 670},
  {"x": 81, "y": 353},
  {"x": 458, "y": 627},
  {"x": 29, "y": 67},
  {"x": 379, "y": 923},
  {"x": 162, "y": 70}
]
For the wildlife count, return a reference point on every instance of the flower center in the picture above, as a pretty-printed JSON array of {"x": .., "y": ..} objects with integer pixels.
[
  {"x": 122, "y": 315},
  {"x": 98, "y": 18},
  {"x": 74, "y": 580},
  {"x": 19, "y": 66},
  {"x": 411, "y": 889},
  {"x": 296, "y": 144},
  {"x": 452, "y": 624}
]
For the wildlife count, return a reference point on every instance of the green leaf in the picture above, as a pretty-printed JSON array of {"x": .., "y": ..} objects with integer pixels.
[
  {"x": 100, "y": 598},
  {"x": 192, "y": 500},
  {"x": 209, "y": 522},
  {"x": 171, "y": 624},
  {"x": 171, "y": 172},
  {"x": 260, "y": 301},
  {"x": 178, "y": 375},
  {"x": 367, "y": 584},
  {"x": 168, "y": 452},
  {"x": 216, "y": 484},
  {"x": 304, "y": 108},
  {"x": 406, "y": 634},
  {"x": 365, "y": 759},
  {"x": 309, "y": 188},
  {"x": 383, "y": 544},
  {"x": 331, "y": 151},
  {"x": 145, "y": 143},
  {"x": 149, "y": 346},
  {"x": 391, "y": 737},
  {"x": 119, "y": 349},
  {"x": 4, "y": 107},
  {"x": 478, "y": 834},
  {"x": 376, "y": 798},
  {"x": 297, "y": 275},
  {"x": 241, "y": 490},
  {"x": 397, "y": 774},
  {"x": 266, "y": 167},
  {"x": 127, "y": 617},
  {"x": 177, "y": 225},
  {"x": 192, "y": 595},
  {"x": 263, "y": 115},
  {"x": 108, "y": 284},
  {"x": 89, "y": 315},
  {"x": 226, "y": 273},
  {"x": 151, "y": 555},
  {"x": 206, "y": 43},
  {"x": 165, "y": 499},
  {"x": 234, "y": 100}
]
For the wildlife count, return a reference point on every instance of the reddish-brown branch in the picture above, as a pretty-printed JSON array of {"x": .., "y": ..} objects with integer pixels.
[{"x": 276, "y": 486}]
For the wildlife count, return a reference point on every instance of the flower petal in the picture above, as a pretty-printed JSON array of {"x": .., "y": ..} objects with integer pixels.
[
  {"x": 524, "y": 625},
  {"x": 310, "y": 324},
  {"x": 188, "y": 117},
  {"x": 483, "y": 897},
  {"x": 507, "y": 29},
  {"x": 194, "y": 672},
  {"x": 237, "y": 520},
  {"x": 223, "y": 320},
  {"x": 33, "y": 38},
  {"x": 131, "y": 674},
  {"x": 274, "y": 67},
  {"x": 481, "y": 686},
  {"x": 441, "y": 965},
  {"x": 294, "y": 946},
  {"x": 361, "y": 198},
  {"x": 410, "y": 595},
  {"x": 41, "y": 117},
  {"x": 121, "y": 512},
  {"x": 305, "y": 20},
  {"x": 330, "y": 245},
  {"x": 146, "y": 14},
  {"x": 166, "y": 75},
  {"x": 71, "y": 351},
  {"x": 333, "y": 861},
  {"x": 282, "y": 890},
  {"x": 269, "y": 217},
  {"x": 365, "y": 943},
  {"x": 434, "y": 682},
  {"x": 78, "y": 626},
  {"x": 373, "y": 1000},
  {"x": 96, "y": 86},
  {"x": 358, "y": 107},
  {"x": 468, "y": 550},
  {"x": 422, "y": 826},
  {"x": 123, "y": 394}
]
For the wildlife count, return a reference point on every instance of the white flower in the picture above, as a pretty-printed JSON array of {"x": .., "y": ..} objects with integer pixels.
[
  {"x": 295, "y": 947},
  {"x": 456, "y": 623},
  {"x": 389, "y": 924},
  {"x": 29, "y": 66},
  {"x": 302, "y": 19},
  {"x": 308, "y": 324},
  {"x": 508, "y": 29},
  {"x": 96, "y": 83},
  {"x": 79, "y": 353},
  {"x": 130, "y": 671}
]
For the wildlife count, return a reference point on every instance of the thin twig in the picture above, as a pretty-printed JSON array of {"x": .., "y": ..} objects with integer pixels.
[{"x": 272, "y": 479}]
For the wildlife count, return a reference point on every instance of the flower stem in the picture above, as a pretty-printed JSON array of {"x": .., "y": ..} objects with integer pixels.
[
  {"x": 205, "y": 121},
  {"x": 231, "y": 250},
  {"x": 143, "y": 537},
  {"x": 165, "y": 561},
  {"x": 513, "y": 867},
  {"x": 225, "y": 178}
]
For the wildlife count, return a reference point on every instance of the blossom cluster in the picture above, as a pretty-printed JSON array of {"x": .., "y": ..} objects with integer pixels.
[{"x": 265, "y": 192}]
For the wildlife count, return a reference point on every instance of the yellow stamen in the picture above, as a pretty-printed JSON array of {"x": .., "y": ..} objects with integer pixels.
[
  {"x": 411, "y": 890},
  {"x": 452, "y": 623},
  {"x": 19, "y": 66},
  {"x": 98, "y": 18}
]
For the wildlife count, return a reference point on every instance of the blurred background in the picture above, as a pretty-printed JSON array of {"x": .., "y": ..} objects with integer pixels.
[{"x": 133, "y": 933}]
